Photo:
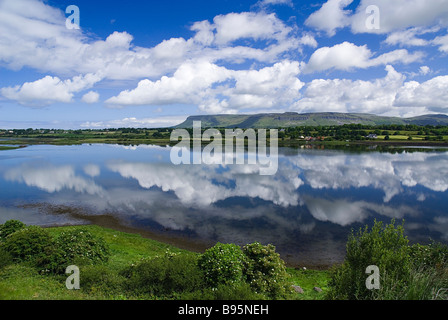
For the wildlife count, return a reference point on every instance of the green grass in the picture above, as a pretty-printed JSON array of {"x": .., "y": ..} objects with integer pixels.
[
  {"x": 126, "y": 248},
  {"x": 307, "y": 280},
  {"x": 8, "y": 148},
  {"x": 22, "y": 282}
]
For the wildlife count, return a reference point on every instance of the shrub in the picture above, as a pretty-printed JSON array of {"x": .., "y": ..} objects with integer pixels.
[
  {"x": 433, "y": 255},
  {"x": 265, "y": 271},
  {"x": 28, "y": 243},
  {"x": 80, "y": 247},
  {"x": 51, "y": 260},
  {"x": 164, "y": 276},
  {"x": 10, "y": 227},
  {"x": 101, "y": 279},
  {"x": 385, "y": 247},
  {"x": 222, "y": 264},
  {"x": 5, "y": 257}
]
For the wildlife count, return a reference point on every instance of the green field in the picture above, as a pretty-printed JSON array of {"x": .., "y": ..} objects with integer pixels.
[{"x": 22, "y": 282}]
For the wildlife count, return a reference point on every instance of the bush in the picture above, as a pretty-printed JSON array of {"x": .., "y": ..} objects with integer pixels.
[
  {"x": 385, "y": 247},
  {"x": 80, "y": 247},
  {"x": 10, "y": 227},
  {"x": 265, "y": 271},
  {"x": 28, "y": 243},
  {"x": 101, "y": 279},
  {"x": 222, "y": 264},
  {"x": 164, "y": 276},
  {"x": 431, "y": 256},
  {"x": 5, "y": 257}
]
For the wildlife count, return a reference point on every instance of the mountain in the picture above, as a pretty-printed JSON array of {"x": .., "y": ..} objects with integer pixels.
[{"x": 293, "y": 119}]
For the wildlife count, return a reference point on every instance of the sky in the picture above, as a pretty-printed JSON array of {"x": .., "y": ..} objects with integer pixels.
[{"x": 111, "y": 64}]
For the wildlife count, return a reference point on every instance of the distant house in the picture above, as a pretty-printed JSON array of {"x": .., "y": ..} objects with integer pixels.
[{"x": 372, "y": 136}]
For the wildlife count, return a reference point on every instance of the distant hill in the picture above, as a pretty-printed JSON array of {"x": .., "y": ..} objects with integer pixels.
[{"x": 292, "y": 119}]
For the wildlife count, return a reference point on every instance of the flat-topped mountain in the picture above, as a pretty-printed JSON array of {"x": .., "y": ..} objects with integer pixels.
[{"x": 292, "y": 119}]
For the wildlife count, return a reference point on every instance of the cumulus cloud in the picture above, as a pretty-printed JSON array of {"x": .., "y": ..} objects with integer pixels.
[
  {"x": 401, "y": 14},
  {"x": 394, "y": 16},
  {"x": 391, "y": 95},
  {"x": 50, "y": 89},
  {"x": 409, "y": 37},
  {"x": 195, "y": 70},
  {"x": 257, "y": 26},
  {"x": 91, "y": 97},
  {"x": 330, "y": 17},
  {"x": 156, "y": 122},
  {"x": 33, "y": 34},
  {"x": 347, "y": 56},
  {"x": 187, "y": 85},
  {"x": 431, "y": 94},
  {"x": 442, "y": 42},
  {"x": 217, "y": 89}
]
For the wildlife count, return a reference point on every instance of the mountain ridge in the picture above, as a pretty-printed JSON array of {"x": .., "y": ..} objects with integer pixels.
[{"x": 294, "y": 119}]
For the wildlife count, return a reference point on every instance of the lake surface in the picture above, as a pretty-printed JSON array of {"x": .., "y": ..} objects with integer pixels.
[{"x": 306, "y": 209}]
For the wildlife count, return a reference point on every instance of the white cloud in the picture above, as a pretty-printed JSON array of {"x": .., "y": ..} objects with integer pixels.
[
  {"x": 264, "y": 3},
  {"x": 49, "y": 89},
  {"x": 270, "y": 87},
  {"x": 188, "y": 84},
  {"x": 217, "y": 89},
  {"x": 156, "y": 122},
  {"x": 424, "y": 70},
  {"x": 401, "y": 14},
  {"x": 431, "y": 95},
  {"x": 33, "y": 34},
  {"x": 330, "y": 17},
  {"x": 390, "y": 95},
  {"x": 408, "y": 37},
  {"x": 347, "y": 56},
  {"x": 395, "y": 16},
  {"x": 442, "y": 42},
  {"x": 257, "y": 26},
  {"x": 91, "y": 97},
  {"x": 308, "y": 40}
]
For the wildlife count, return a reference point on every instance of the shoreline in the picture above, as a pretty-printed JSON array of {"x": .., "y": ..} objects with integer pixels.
[
  {"x": 25, "y": 142},
  {"x": 112, "y": 221},
  {"x": 197, "y": 246}
]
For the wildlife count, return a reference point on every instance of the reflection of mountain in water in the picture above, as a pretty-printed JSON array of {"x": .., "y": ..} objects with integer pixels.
[{"x": 306, "y": 209}]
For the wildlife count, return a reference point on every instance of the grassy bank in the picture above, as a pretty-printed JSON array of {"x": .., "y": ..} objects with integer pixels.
[
  {"x": 9, "y": 148},
  {"x": 20, "y": 281}
]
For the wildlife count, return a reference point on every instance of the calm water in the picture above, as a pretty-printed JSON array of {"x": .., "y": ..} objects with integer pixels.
[{"x": 307, "y": 209}]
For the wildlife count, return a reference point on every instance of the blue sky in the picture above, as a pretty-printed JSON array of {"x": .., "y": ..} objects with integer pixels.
[{"x": 153, "y": 63}]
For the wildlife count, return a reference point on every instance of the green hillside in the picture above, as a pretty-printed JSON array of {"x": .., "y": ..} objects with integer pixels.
[{"x": 292, "y": 119}]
